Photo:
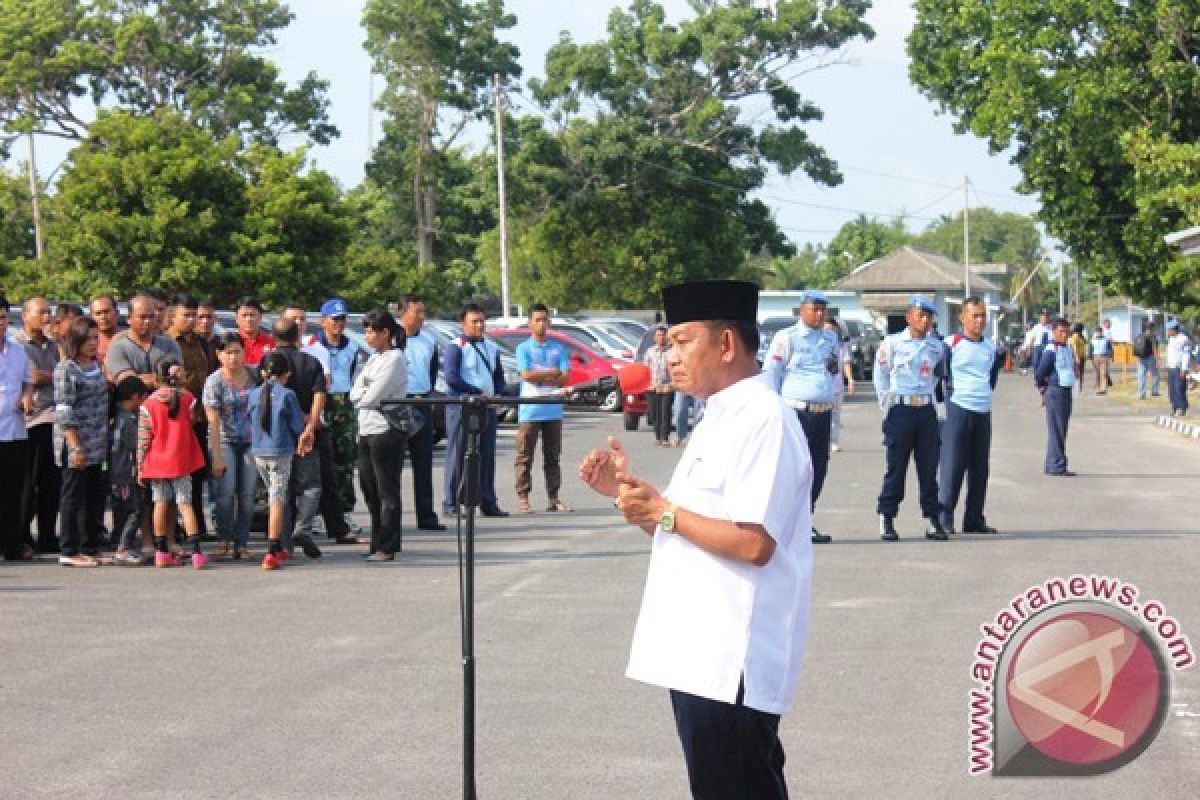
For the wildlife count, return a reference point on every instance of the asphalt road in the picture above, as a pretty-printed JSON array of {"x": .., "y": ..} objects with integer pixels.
[{"x": 339, "y": 679}]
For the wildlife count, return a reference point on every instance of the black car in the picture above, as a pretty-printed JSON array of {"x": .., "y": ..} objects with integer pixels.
[{"x": 864, "y": 341}]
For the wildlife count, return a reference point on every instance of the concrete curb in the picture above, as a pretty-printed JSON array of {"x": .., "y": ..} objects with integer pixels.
[{"x": 1179, "y": 425}]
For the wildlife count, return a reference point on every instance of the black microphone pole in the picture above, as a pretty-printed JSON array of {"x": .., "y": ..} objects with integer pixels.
[{"x": 475, "y": 410}]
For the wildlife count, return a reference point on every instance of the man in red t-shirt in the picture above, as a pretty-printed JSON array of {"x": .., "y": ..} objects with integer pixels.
[{"x": 256, "y": 342}]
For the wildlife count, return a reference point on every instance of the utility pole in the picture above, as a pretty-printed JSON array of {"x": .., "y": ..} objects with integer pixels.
[
  {"x": 1062, "y": 289},
  {"x": 35, "y": 191},
  {"x": 966, "y": 241},
  {"x": 503, "y": 201}
]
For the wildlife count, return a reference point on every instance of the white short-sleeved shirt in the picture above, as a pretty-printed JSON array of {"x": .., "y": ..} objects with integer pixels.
[{"x": 706, "y": 620}]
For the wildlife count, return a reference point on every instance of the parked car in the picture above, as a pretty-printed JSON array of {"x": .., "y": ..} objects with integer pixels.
[
  {"x": 594, "y": 337},
  {"x": 767, "y": 330},
  {"x": 864, "y": 341},
  {"x": 587, "y": 365}
]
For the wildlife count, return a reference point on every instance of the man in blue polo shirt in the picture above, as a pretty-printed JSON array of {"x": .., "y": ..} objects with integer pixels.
[
  {"x": 543, "y": 365},
  {"x": 973, "y": 367}
]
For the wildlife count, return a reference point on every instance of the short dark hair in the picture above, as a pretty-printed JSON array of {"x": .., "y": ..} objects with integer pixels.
[
  {"x": 128, "y": 387},
  {"x": 1060, "y": 322},
  {"x": 158, "y": 295},
  {"x": 974, "y": 301},
  {"x": 184, "y": 300},
  {"x": 205, "y": 302},
  {"x": 77, "y": 334},
  {"x": 744, "y": 330},
  {"x": 105, "y": 296},
  {"x": 470, "y": 308},
  {"x": 409, "y": 299},
  {"x": 296, "y": 306},
  {"x": 67, "y": 310},
  {"x": 286, "y": 330},
  {"x": 538, "y": 307},
  {"x": 248, "y": 300},
  {"x": 227, "y": 338}
]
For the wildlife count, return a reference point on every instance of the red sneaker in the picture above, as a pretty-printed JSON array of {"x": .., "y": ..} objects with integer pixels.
[{"x": 270, "y": 561}]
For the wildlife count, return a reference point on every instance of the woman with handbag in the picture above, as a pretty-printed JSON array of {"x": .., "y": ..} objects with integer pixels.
[{"x": 382, "y": 432}]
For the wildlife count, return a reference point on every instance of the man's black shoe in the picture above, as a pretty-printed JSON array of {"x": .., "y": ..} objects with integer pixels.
[
  {"x": 431, "y": 526},
  {"x": 984, "y": 528},
  {"x": 934, "y": 530},
  {"x": 307, "y": 545},
  {"x": 494, "y": 512},
  {"x": 1066, "y": 473},
  {"x": 887, "y": 531},
  {"x": 820, "y": 538}
]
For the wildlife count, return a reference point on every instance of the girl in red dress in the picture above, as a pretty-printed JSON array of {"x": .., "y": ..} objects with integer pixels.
[{"x": 168, "y": 454}]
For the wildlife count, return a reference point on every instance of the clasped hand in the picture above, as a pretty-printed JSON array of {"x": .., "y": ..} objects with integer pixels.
[{"x": 607, "y": 472}]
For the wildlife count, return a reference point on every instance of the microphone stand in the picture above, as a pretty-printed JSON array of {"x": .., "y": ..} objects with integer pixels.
[{"x": 473, "y": 424}]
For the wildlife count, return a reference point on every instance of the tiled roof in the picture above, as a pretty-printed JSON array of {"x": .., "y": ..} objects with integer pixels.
[{"x": 911, "y": 269}]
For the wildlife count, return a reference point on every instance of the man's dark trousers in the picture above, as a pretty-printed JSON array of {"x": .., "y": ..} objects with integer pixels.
[
  {"x": 966, "y": 445},
  {"x": 456, "y": 445},
  {"x": 816, "y": 425},
  {"x": 910, "y": 430},
  {"x": 1177, "y": 389},
  {"x": 732, "y": 752},
  {"x": 420, "y": 450},
  {"x": 332, "y": 511},
  {"x": 1058, "y": 416},
  {"x": 14, "y": 533},
  {"x": 40, "y": 485}
]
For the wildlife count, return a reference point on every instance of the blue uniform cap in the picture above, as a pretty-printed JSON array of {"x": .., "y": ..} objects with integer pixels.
[
  {"x": 1173, "y": 325},
  {"x": 334, "y": 308},
  {"x": 814, "y": 296},
  {"x": 922, "y": 302}
]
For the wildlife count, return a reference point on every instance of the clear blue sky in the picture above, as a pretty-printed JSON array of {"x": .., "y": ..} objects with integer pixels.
[{"x": 895, "y": 152}]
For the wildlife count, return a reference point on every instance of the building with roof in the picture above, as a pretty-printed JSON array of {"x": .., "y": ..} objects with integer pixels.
[{"x": 885, "y": 284}]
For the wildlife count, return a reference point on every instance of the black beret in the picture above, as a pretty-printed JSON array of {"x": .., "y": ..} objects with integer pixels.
[{"x": 735, "y": 301}]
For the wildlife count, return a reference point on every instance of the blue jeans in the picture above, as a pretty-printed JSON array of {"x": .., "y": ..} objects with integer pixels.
[
  {"x": 1147, "y": 364},
  {"x": 234, "y": 494}
]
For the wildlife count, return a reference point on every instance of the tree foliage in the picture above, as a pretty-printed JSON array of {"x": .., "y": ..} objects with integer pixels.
[
  {"x": 200, "y": 58},
  {"x": 1073, "y": 86},
  {"x": 649, "y": 168},
  {"x": 438, "y": 58}
]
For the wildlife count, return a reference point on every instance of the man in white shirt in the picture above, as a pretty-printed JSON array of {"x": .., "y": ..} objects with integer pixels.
[
  {"x": 1179, "y": 351},
  {"x": 724, "y": 617}
]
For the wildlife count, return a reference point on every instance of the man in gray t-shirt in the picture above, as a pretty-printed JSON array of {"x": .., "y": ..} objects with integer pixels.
[{"x": 138, "y": 350}]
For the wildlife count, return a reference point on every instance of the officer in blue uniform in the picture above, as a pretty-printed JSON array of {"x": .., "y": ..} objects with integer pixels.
[
  {"x": 472, "y": 368},
  {"x": 800, "y": 365},
  {"x": 421, "y": 352},
  {"x": 908, "y": 367},
  {"x": 1055, "y": 377},
  {"x": 972, "y": 368}
]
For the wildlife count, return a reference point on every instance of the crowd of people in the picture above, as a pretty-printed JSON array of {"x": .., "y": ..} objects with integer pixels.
[{"x": 145, "y": 422}]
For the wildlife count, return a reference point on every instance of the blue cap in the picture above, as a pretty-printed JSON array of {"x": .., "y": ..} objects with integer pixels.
[
  {"x": 922, "y": 302},
  {"x": 814, "y": 296},
  {"x": 1173, "y": 324},
  {"x": 334, "y": 308}
]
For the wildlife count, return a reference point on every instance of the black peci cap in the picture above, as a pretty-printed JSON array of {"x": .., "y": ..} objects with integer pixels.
[{"x": 709, "y": 300}]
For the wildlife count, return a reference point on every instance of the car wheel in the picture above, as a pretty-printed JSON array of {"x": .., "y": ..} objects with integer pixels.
[
  {"x": 632, "y": 421},
  {"x": 611, "y": 401}
]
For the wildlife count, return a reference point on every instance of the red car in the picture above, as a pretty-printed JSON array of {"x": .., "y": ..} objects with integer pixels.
[{"x": 586, "y": 365}]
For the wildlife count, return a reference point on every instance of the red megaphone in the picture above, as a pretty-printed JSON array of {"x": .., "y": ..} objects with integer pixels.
[{"x": 634, "y": 378}]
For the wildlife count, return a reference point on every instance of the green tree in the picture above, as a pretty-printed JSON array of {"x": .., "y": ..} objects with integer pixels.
[
  {"x": 1167, "y": 176},
  {"x": 438, "y": 58},
  {"x": 293, "y": 234},
  {"x": 200, "y": 58},
  {"x": 863, "y": 239},
  {"x": 652, "y": 183},
  {"x": 16, "y": 219},
  {"x": 1067, "y": 84},
  {"x": 145, "y": 201}
]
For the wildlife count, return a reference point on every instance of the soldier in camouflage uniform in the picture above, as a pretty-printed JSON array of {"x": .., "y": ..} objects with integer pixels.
[{"x": 346, "y": 358}]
